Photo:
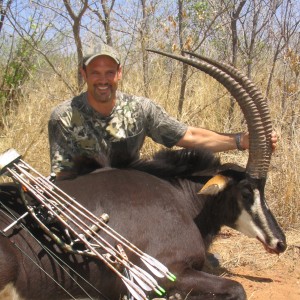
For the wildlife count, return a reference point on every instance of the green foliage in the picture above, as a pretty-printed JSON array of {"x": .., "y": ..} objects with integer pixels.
[
  {"x": 19, "y": 65},
  {"x": 199, "y": 22},
  {"x": 16, "y": 72},
  {"x": 201, "y": 7},
  {"x": 198, "y": 11}
]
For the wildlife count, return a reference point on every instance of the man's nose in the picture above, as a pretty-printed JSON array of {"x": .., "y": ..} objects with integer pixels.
[{"x": 102, "y": 79}]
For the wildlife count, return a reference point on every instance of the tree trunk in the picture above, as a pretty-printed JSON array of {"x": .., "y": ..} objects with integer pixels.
[
  {"x": 144, "y": 35},
  {"x": 235, "y": 45},
  {"x": 106, "y": 21},
  {"x": 76, "y": 32},
  {"x": 184, "y": 66}
]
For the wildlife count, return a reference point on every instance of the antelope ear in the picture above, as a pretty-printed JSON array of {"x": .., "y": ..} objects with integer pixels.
[{"x": 215, "y": 185}]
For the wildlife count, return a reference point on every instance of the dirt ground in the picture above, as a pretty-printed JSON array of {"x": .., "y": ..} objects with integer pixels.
[{"x": 263, "y": 275}]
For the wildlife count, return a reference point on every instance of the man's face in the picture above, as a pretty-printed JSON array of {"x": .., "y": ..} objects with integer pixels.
[{"x": 102, "y": 76}]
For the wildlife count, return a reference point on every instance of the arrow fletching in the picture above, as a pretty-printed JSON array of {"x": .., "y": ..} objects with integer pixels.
[
  {"x": 153, "y": 269},
  {"x": 134, "y": 289},
  {"x": 140, "y": 281},
  {"x": 158, "y": 289},
  {"x": 159, "y": 266}
]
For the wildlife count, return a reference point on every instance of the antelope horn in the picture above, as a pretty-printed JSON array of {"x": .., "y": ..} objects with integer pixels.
[
  {"x": 258, "y": 161},
  {"x": 252, "y": 90}
]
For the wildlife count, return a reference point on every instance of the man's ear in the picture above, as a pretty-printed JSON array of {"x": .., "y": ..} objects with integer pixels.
[
  {"x": 120, "y": 73},
  {"x": 83, "y": 73}
]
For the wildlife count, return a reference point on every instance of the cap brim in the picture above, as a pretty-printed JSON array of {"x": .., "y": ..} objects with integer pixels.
[{"x": 89, "y": 59}]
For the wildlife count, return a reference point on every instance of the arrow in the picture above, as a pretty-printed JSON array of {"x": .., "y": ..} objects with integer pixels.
[
  {"x": 54, "y": 199},
  {"x": 158, "y": 268}
]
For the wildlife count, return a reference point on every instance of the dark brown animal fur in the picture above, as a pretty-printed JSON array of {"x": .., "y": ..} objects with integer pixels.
[{"x": 161, "y": 213}]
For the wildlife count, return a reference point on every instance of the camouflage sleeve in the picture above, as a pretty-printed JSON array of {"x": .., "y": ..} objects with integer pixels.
[
  {"x": 160, "y": 126},
  {"x": 60, "y": 151}
]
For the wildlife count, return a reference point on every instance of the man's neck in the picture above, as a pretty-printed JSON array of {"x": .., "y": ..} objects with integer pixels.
[{"x": 103, "y": 108}]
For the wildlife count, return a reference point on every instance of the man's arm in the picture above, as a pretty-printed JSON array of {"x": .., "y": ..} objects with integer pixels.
[
  {"x": 211, "y": 140},
  {"x": 217, "y": 142}
]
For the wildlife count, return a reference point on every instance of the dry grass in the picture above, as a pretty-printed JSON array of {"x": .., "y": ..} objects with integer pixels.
[
  {"x": 249, "y": 252},
  {"x": 206, "y": 105},
  {"x": 26, "y": 127},
  {"x": 264, "y": 276}
]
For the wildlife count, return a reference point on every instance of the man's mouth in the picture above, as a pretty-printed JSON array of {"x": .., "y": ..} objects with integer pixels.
[{"x": 103, "y": 88}]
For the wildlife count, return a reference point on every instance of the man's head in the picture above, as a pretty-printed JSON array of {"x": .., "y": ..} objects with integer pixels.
[{"x": 102, "y": 72}]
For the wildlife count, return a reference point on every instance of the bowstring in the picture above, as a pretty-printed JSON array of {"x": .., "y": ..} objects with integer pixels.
[{"x": 58, "y": 260}]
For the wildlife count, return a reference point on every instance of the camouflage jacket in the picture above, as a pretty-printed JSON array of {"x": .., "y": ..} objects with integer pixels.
[{"x": 76, "y": 129}]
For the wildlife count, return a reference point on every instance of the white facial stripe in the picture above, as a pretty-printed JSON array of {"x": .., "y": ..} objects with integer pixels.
[{"x": 246, "y": 225}]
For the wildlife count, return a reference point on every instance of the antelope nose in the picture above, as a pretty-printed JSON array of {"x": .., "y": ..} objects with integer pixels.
[{"x": 281, "y": 246}]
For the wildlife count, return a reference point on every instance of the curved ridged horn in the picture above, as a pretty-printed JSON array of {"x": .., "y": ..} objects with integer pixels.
[
  {"x": 252, "y": 90},
  {"x": 259, "y": 160}
]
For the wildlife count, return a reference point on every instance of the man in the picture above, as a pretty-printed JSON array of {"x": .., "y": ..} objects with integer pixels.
[{"x": 105, "y": 120}]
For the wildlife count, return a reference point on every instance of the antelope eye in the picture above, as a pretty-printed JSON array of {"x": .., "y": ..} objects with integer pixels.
[{"x": 247, "y": 193}]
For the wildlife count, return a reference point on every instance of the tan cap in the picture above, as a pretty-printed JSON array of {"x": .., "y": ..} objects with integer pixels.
[{"x": 103, "y": 49}]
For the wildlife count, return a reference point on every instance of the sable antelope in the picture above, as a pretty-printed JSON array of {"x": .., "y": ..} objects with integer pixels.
[{"x": 156, "y": 205}]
